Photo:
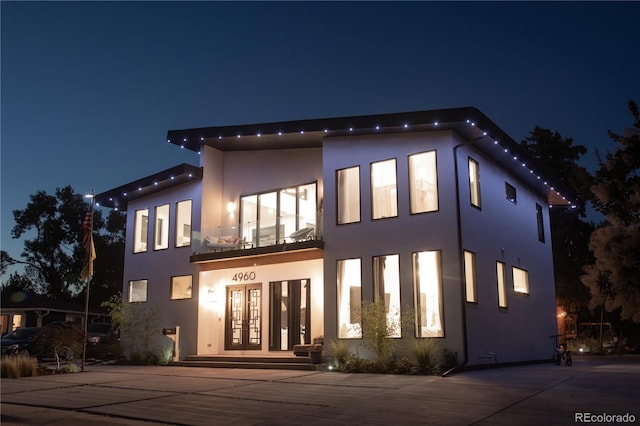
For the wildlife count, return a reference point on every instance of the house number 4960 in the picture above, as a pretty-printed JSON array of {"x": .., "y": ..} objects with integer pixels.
[{"x": 244, "y": 276}]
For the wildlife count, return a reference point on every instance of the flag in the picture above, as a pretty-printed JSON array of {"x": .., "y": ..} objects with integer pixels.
[{"x": 87, "y": 243}]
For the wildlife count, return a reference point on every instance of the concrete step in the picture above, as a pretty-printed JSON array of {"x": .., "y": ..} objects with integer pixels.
[{"x": 256, "y": 362}]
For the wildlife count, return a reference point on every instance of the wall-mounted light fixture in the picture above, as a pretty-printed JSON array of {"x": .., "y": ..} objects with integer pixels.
[{"x": 231, "y": 207}]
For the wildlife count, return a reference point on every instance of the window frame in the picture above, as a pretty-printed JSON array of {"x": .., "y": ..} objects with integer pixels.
[
  {"x": 417, "y": 299},
  {"x": 540, "y": 221},
  {"x": 474, "y": 277},
  {"x": 181, "y": 224},
  {"x": 521, "y": 273},
  {"x": 378, "y": 292},
  {"x": 338, "y": 197},
  {"x": 141, "y": 231},
  {"x": 394, "y": 188},
  {"x": 413, "y": 191},
  {"x": 501, "y": 281},
  {"x": 146, "y": 290},
  {"x": 160, "y": 228},
  {"x": 339, "y": 302},
  {"x": 508, "y": 189},
  {"x": 172, "y": 284},
  {"x": 474, "y": 185}
]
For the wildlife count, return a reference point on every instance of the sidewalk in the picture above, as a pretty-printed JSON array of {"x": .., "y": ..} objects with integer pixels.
[{"x": 128, "y": 395}]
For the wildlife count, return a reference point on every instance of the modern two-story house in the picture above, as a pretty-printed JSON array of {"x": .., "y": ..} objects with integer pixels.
[{"x": 285, "y": 228}]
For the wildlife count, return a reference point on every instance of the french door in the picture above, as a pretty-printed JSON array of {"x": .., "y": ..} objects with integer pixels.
[
  {"x": 289, "y": 309},
  {"x": 244, "y": 317}
]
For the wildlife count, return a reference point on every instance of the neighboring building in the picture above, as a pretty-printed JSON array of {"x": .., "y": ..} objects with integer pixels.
[
  {"x": 285, "y": 228},
  {"x": 28, "y": 309}
]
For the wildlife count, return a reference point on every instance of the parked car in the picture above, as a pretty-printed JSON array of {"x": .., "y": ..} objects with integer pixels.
[
  {"x": 19, "y": 341},
  {"x": 99, "y": 333}
]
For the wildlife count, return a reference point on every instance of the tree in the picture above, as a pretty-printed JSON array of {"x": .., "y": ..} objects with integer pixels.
[
  {"x": 569, "y": 231},
  {"x": 614, "y": 276},
  {"x": 53, "y": 254}
]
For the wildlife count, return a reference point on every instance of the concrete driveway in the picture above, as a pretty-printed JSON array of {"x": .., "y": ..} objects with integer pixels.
[{"x": 525, "y": 395}]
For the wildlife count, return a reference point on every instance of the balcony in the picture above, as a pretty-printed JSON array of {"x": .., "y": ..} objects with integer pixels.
[{"x": 255, "y": 239}]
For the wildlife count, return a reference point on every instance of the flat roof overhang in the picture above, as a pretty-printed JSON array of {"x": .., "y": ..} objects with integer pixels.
[
  {"x": 119, "y": 197},
  {"x": 469, "y": 122}
]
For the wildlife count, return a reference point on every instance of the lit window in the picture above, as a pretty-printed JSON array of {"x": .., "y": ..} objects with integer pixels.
[
  {"x": 349, "y": 298},
  {"x": 474, "y": 182},
  {"x": 181, "y": 287},
  {"x": 348, "y": 190},
  {"x": 470, "y": 276},
  {"x": 183, "y": 223},
  {"x": 138, "y": 291},
  {"x": 520, "y": 280},
  {"x": 510, "y": 191},
  {"x": 161, "y": 230},
  {"x": 386, "y": 287},
  {"x": 423, "y": 182},
  {"x": 140, "y": 231},
  {"x": 427, "y": 280},
  {"x": 384, "y": 193},
  {"x": 285, "y": 215},
  {"x": 501, "y": 275},
  {"x": 539, "y": 217}
]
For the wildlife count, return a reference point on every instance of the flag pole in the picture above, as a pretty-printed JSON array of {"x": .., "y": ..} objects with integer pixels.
[{"x": 89, "y": 274}]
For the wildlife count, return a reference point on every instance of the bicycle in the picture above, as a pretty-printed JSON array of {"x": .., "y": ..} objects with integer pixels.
[{"x": 560, "y": 352}]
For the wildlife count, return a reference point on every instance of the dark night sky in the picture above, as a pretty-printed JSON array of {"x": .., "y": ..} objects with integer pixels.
[{"x": 89, "y": 89}]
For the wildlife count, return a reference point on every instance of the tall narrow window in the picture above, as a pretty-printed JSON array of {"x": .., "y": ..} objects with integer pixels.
[
  {"x": 161, "y": 230},
  {"x": 268, "y": 232},
  {"x": 510, "y": 192},
  {"x": 540, "y": 219},
  {"x": 348, "y": 190},
  {"x": 183, "y": 223},
  {"x": 427, "y": 281},
  {"x": 137, "y": 291},
  {"x": 140, "y": 231},
  {"x": 474, "y": 182},
  {"x": 349, "y": 298},
  {"x": 501, "y": 276},
  {"x": 181, "y": 287},
  {"x": 423, "y": 182},
  {"x": 470, "y": 276},
  {"x": 520, "y": 280},
  {"x": 386, "y": 287},
  {"x": 384, "y": 192}
]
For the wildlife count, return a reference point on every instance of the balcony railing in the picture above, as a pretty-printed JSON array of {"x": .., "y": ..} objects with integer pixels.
[{"x": 253, "y": 235}]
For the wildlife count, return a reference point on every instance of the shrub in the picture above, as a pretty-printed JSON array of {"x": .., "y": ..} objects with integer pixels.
[
  {"x": 18, "y": 366},
  {"x": 339, "y": 353},
  {"x": 424, "y": 352},
  {"x": 376, "y": 329}
]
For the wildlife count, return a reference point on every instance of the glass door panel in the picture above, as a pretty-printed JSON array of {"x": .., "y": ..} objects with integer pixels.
[
  {"x": 289, "y": 314},
  {"x": 243, "y": 317}
]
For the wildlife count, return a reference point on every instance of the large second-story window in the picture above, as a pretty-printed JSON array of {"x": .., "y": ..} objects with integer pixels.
[
  {"x": 423, "y": 182},
  {"x": 161, "y": 229},
  {"x": 474, "y": 182},
  {"x": 386, "y": 290},
  {"x": 183, "y": 223},
  {"x": 348, "y": 192},
  {"x": 349, "y": 298},
  {"x": 140, "y": 231},
  {"x": 427, "y": 281},
  {"x": 384, "y": 191},
  {"x": 286, "y": 215}
]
